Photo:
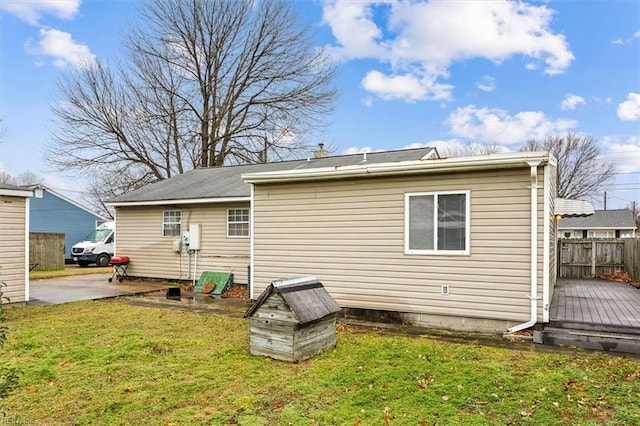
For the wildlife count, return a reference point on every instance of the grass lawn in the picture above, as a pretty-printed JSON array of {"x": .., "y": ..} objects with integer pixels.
[
  {"x": 114, "y": 363},
  {"x": 68, "y": 271}
]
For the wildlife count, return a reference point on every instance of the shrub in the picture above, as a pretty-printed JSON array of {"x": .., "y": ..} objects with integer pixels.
[{"x": 8, "y": 376}]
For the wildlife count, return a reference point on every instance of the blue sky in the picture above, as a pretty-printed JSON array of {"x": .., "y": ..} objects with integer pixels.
[{"x": 436, "y": 73}]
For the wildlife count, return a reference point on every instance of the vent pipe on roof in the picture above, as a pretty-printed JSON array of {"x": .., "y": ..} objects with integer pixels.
[{"x": 321, "y": 152}]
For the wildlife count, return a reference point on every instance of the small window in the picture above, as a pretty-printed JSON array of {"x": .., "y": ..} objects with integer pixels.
[
  {"x": 437, "y": 223},
  {"x": 238, "y": 223},
  {"x": 171, "y": 223}
]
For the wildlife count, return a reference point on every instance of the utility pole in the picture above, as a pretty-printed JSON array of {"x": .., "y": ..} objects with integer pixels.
[{"x": 605, "y": 200}]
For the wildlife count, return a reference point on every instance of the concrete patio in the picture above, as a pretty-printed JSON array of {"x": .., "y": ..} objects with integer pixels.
[{"x": 51, "y": 291}]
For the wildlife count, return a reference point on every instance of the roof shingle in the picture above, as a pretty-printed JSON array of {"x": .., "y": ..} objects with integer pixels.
[
  {"x": 226, "y": 182},
  {"x": 613, "y": 219}
]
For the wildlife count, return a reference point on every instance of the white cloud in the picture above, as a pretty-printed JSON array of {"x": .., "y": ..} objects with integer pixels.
[
  {"x": 353, "y": 21},
  {"x": 486, "y": 84},
  {"x": 629, "y": 110},
  {"x": 62, "y": 49},
  {"x": 495, "y": 125},
  {"x": 624, "y": 151},
  {"x": 637, "y": 34},
  {"x": 571, "y": 101},
  {"x": 419, "y": 41},
  {"x": 31, "y": 11},
  {"x": 409, "y": 87},
  {"x": 618, "y": 41}
]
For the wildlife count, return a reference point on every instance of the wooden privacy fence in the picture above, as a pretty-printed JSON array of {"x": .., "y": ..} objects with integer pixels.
[
  {"x": 589, "y": 257},
  {"x": 632, "y": 258},
  {"x": 46, "y": 251}
]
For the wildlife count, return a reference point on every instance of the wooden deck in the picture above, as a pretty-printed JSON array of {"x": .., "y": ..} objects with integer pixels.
[{"x": 593, "y": 301}]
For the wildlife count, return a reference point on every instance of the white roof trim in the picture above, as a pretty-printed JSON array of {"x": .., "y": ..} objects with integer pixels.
[
  {"x": 16, "y": 192},
  {"x": 436, "y": 165},
  {"x": 431, "y": 154},
  {"x": 186, "y": 201},
  {"x": 597, "y": 228},
  {"x": 566, "y": 207}
]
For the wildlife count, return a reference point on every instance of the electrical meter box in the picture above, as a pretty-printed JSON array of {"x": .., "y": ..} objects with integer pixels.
[{"x": 194, "y": 236}]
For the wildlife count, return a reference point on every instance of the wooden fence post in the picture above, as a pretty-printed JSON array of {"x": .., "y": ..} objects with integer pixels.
[{"x": 593, "y": 258}]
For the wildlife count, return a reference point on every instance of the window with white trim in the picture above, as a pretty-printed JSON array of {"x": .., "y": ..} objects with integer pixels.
[
  {"x": 238, "y": 223},
  {"x": 171, "y": 223},
  {"x": 437, "y": 223}
]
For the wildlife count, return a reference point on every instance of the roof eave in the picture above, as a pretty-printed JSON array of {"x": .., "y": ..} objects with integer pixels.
[
  {"x": 16, "y": 193},
  {"x": 178, "y": 201},
  {"x": 456, "y": 164},
  {"x": 608, "y": 228}
]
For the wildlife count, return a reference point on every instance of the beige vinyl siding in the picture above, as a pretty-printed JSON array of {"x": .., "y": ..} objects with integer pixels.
[
  {"x": 552, "y": 194},
  {"x": 350, "y": 234},
  {"x": 139, "y": 236},
  {"x": 13, "y": 252}
]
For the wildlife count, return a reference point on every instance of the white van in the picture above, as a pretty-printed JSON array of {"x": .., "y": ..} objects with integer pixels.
[{"x": 97, "y": 247}]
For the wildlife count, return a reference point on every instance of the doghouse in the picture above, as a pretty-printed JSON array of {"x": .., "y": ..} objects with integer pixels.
[{"x": 292, "y": 320}]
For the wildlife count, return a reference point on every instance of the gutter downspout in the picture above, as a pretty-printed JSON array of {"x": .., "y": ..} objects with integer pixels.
[
  {"x": 534, "y": 251},
  {"x": 252, "y": 272},
  {"x": 546, "y": 251},
  {"x": 27, "y": 218}
]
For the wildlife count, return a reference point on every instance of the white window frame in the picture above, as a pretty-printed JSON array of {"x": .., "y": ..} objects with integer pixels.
[
  {"x": 165, "y": 223},
  {"x": 435, "y": 251},
  {"x": 247, "y": 222}
]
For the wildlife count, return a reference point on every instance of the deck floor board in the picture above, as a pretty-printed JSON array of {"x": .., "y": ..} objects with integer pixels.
[{"x": 596, "y": 302}]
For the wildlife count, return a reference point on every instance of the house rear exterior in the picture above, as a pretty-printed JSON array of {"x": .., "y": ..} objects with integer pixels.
[
  {"x": 152, "y": 236},
  {"x": 14, "y": 242},
  {"x": 151, "y": 222},
  {"x": 461, "y": 243}
]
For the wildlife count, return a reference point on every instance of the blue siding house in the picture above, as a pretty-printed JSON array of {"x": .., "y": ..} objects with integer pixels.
[{"x": 50, "y": 211}]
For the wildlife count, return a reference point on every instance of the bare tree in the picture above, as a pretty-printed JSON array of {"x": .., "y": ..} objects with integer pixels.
[
  {"x": 581, "y": 173},
  {"x": 469, "y": 150},
  {"x": 29, "y": 178},
  {"x": 6, "y": 177},
  {"x": 203, "y": 83}
]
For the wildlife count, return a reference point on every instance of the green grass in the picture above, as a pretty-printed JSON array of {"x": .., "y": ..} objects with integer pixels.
[
  {"x": 113, "y": 363},
  {"x": 69, "y": 270}
]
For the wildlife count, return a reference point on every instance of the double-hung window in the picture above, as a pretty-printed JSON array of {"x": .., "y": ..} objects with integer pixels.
[
  {"x": 437, "y": 223},
  {"x": 171, "y": 223},
  {"x": 238, "y": 223}
]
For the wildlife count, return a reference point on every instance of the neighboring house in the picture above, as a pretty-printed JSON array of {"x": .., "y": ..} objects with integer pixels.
[
  {"x": 14, "y": 242},
  {"x": 52, "y": 212},
  {"x": 602, "y": 224},
  {"x": 460, "y": 243}
]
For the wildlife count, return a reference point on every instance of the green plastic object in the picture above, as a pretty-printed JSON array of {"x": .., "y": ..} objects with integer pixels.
[{"x": 221, "y": 280}]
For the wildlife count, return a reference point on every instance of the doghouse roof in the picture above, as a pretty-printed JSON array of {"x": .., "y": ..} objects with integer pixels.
[{"x": 305, "y": 296}]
